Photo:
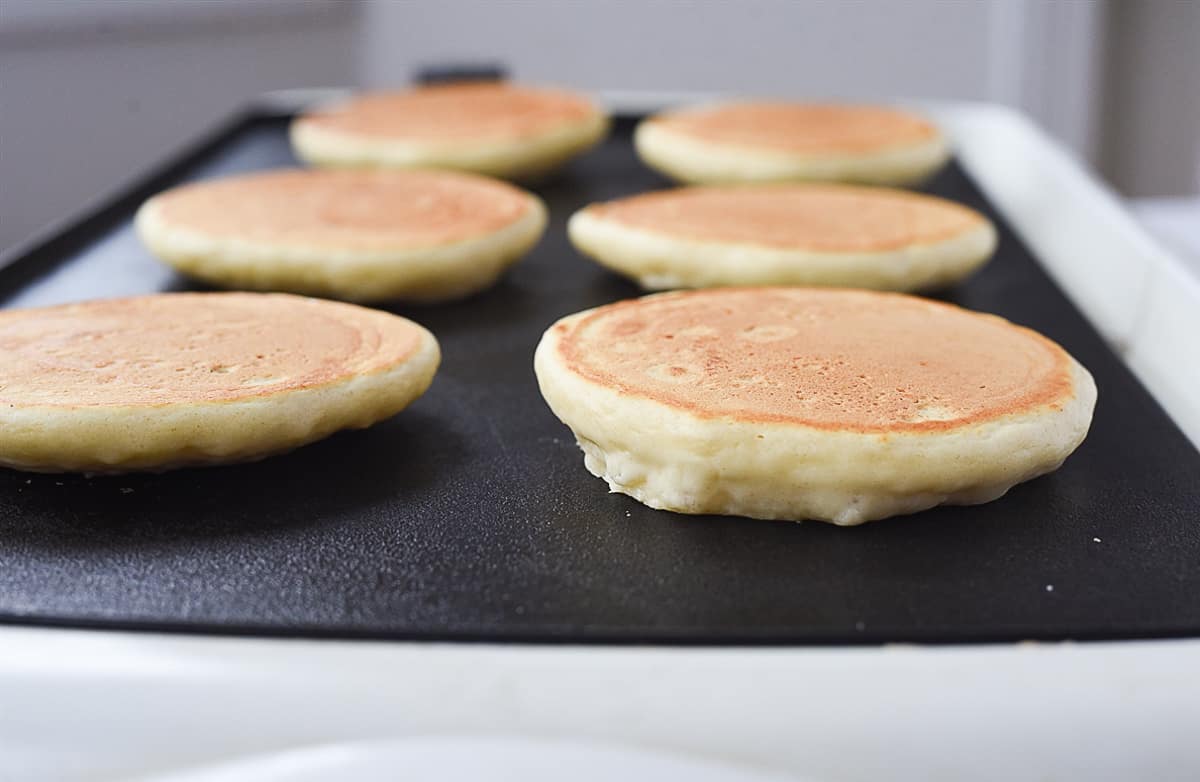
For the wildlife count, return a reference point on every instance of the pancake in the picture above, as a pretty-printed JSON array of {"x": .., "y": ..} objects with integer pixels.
[
  {"x": 491, "y": 128},
  {"x": 357, "y": 235},
  {"x": 789, "y": 142},
  {"x": 806, "y": 403},
  {"x": 165, "y": 381},
  {"x": 804, "y": 234}
]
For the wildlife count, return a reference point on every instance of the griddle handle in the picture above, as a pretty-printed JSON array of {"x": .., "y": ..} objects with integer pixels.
[{"x": 445, "y": 73}]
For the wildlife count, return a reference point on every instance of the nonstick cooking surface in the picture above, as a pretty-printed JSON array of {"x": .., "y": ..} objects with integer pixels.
[{"x": 470, "y": 515}]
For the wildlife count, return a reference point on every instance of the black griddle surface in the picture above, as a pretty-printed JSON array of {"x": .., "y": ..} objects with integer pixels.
[{"x": 470, "y": 515}]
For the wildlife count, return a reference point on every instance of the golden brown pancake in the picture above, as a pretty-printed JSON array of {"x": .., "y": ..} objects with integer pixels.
[
  {"x": 806, "y": 128},
  {"x": 841, "y": 218},
  {"x": 347, "y": 210},
  {"x": 482, "y": 110},
  {"x": 190, "y": 348},
  {"x": 787, "y": 142},
  {"x": 858, "y": 361},
  {"x": 158, "y": 381},
  {"x": 358, "y": 235},
  {"x": 491, "y": 128},
  {"x": 785, "y": 234},
  {"x": 797, "y": 403}
]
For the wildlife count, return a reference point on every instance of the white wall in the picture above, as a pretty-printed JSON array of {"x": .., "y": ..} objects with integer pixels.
[
  {"x": 763, "y": 45},
  {"x": 1041, "y": 56},
  {"x": 1152, "y": 107},
  {"x": 94, "y": 91}
]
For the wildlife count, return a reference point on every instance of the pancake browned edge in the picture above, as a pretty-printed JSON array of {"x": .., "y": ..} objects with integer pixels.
[
  {"x": 495, "y": 128},
  {"x": 775, "y": 141},
  {"x": 170, "y": 380},
  {"x": 785, "y": 234},
  {"x": 419, "y": 236},
  {"x": 804, "y": 403}
]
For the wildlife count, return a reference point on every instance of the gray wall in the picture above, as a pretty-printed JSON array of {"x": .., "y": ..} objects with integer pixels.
[
  {"x": 1151, "y": 106},
  {"x": 90, "y": 98}
]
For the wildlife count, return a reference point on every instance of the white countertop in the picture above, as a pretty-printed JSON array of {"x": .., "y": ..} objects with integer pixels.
[
  {"x": 1175, "y": 223},
  {"x": 97, "y": 705}
]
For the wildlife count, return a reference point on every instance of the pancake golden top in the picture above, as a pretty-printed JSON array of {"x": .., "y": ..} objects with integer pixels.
[
  {"x": 840, "y": 218},
  {"x": 801, "y": 128},
  {"x": 346, "y": 210},
  {"x": 481, "y": 111},
  {"x": 831, "y": 359},
  {"x": 191, "y": 347}
]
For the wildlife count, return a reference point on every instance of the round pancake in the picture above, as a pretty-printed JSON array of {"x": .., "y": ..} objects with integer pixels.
[
  {"x": 784, "y": 142},
  {"x": 165, "y": 381},
  {"x": 791, "y": 234},
  {"x": 806, "y": 403},
  {"x": 491, "y": 128},
  {"x": 356, "y": 235}
]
